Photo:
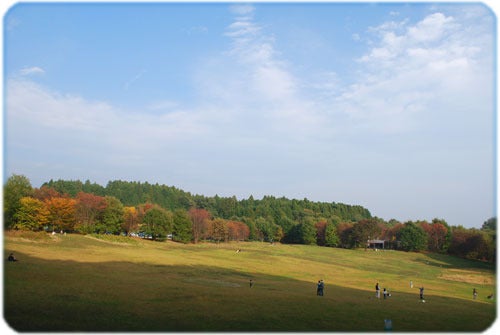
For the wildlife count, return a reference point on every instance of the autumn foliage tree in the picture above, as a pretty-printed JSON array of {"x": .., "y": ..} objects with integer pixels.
[
  {"x": 89, "y": 209},
  {"x": 61, "y": 213},
  {"x": 32, "y": 214},
  {"x": 219, "y": 231},
  {"x": 130, "y": 219},
  {"x": 364, "y": 230},
  {"x": 45, "y": 193},
  {"x": 237, "y": 231},
  {"x": 200, "y": 223},
  {"x": 320, "y": 232},
  {"x": 437, "y": 235},
  {"x": 344, "y": 232},
  {"x": 471, "y": 243}
]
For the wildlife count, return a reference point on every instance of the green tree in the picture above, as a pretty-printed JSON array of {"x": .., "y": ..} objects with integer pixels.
[
  {"x": 331, "y": 238},
  {"x": 157, "y": 222},
  {"x": 112, "y": 217},
  {"x": 490, "y": 224},
  {"x": 307, "y": 232},
  {"x": 412, "y": 237},
  {"x": 265, "y": 227},
  {"x": 16, "y": 187},
  {"x": 182, "y": 231}
]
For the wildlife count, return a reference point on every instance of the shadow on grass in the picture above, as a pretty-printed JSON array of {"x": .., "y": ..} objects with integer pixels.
[
  {"x": 447, "y": 261},
  {"x": 42, "y": 295}
]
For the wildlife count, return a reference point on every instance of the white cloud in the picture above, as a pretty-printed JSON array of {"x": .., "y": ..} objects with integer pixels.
[
  {"x": 254, "y": 119},
  {"x": 412, "y": 70},
  {"x": 34, "y": 70},
  {"x": 242, "y": 9},
  {"x": 432, "y": 28}
]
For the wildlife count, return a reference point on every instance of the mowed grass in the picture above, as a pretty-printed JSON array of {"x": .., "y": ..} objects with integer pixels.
[{"x": 84, "y": 283}]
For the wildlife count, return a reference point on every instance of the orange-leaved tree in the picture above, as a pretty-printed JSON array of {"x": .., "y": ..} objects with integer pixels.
[{"x": 61, "y": 213}]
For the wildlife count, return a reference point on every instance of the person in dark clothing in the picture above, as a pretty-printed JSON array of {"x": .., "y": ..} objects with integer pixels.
[
  {"x": 320, "y": 287},
  {"x": 422, "y": 293},
  {"x": 12, "y": 258}
]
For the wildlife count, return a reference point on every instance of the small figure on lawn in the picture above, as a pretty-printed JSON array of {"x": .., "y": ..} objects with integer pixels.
[
  {"x": 321, "y": 286},
  {"x": 12, "y": 258}
]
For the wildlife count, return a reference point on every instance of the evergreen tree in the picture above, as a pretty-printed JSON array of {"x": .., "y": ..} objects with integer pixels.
[
  {"x": 307, "y": 232},
  {"x": 182, "y": 230}
]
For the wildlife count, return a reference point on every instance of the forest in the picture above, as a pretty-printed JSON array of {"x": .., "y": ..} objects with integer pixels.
[{"x": 160, "y": 212}]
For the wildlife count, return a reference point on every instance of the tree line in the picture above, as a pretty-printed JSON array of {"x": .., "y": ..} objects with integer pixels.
[{"x": 159, "y": 212}]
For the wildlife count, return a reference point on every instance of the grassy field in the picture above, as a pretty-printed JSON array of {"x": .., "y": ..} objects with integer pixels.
[{"x": 89, "y": 283}]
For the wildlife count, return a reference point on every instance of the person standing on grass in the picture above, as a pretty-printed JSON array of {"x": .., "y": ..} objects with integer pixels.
[
  {"x": 474, "y": 294},
  {"x": 251, "y": 283},
  {"x": 321, "y": 287},
  {"x": 422, "y": 293},
  {"x": 377, "y": 291},
  {"x": 385, "y": 293}
]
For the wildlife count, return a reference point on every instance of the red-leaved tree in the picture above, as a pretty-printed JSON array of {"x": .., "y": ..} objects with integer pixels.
[
  {"x": 200, "y": 219},
  {"x": 88, "y": 210},
  {"x": 237, "y": 231}
]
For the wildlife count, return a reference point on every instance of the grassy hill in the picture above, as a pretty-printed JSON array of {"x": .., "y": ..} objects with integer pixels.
[{"x": 109, "y": 283}]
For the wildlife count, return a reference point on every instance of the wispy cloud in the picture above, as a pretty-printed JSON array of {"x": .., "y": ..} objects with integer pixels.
[
  {"x": 420, "y": 92},
  {"x": 34, "y": 70},
  {"x": 242, "y": 9},
  {"x": 132, "y": 81}
]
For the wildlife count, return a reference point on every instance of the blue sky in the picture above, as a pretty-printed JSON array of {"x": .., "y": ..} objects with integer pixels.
[{"x": 390, "y": 106}]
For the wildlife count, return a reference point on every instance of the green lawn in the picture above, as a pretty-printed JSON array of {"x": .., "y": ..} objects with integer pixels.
[{"x": 84, "y": 283}]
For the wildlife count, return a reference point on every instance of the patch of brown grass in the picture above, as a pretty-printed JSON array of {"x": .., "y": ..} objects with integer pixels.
[{"x": 471, "y": 277}]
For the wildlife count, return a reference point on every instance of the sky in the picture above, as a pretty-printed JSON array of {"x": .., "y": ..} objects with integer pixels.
[{"x": 390, "y": 106}]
